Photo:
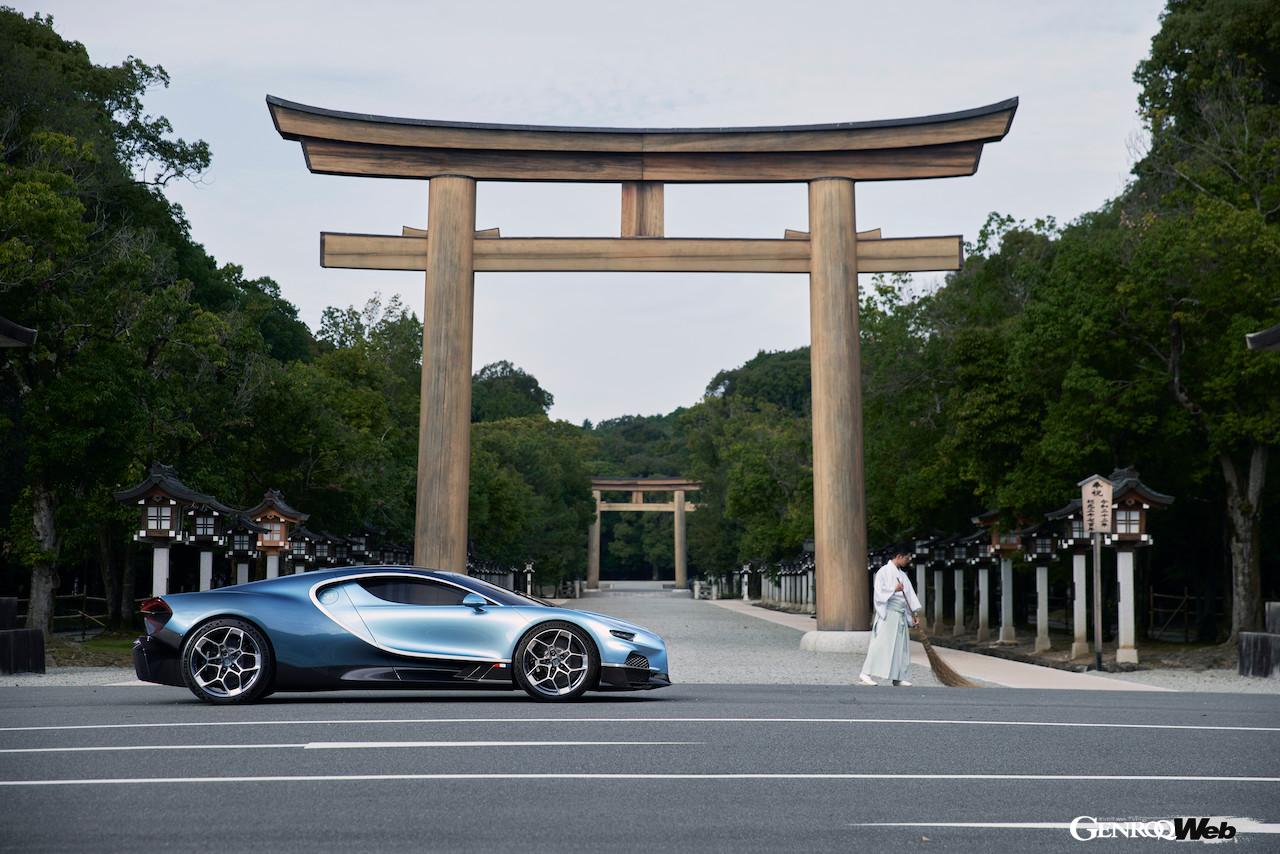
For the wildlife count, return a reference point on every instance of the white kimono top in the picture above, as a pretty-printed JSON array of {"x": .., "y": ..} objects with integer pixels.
[{"x": 887, "y": 578}]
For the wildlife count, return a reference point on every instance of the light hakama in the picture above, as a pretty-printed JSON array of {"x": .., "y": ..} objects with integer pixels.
[{"x": 889, "y": 655}]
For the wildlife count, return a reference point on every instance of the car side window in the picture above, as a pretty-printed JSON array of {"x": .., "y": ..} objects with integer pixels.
[{"x": 410, "y": 591}]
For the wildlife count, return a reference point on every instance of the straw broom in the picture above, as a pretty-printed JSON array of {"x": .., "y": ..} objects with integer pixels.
[{"x": 946, "y": 675}]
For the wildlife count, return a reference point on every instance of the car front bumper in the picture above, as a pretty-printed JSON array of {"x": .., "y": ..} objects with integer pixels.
[{"x": 632, "y": 679}]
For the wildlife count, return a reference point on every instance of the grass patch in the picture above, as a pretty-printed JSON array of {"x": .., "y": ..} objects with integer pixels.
[{"x": 108, "y": 649}]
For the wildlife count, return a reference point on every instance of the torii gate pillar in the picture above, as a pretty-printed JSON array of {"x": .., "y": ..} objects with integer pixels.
[
  {"x": 444, "y": 417},
  {"x": 840, "y": 526}
]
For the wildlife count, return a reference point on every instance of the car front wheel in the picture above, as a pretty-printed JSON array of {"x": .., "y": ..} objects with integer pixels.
[
  {"x": 556, "y": 661},
  {"x": 227, "y": 661}
]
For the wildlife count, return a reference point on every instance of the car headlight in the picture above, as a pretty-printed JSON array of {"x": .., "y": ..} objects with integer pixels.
[{"x": 626, "y": 636}]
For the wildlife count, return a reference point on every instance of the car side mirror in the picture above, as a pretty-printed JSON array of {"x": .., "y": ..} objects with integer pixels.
[{"x": 474, "y": 600}]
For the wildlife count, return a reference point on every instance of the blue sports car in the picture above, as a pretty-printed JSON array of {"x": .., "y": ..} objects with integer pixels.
[{"x": 387, "y": 627}]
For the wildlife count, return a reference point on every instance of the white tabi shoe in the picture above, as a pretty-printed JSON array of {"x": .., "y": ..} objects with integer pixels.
[
  {"x": 901, "y": 683},
  {"x": 866, "y": 680}
]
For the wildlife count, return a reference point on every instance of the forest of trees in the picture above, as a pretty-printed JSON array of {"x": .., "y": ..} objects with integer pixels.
[{"x": 1058, "y": 351}]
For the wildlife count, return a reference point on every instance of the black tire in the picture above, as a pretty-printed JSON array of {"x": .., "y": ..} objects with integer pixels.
[
  {"x": 568, "y": 679},
  {"x": 216, "y": 673}
]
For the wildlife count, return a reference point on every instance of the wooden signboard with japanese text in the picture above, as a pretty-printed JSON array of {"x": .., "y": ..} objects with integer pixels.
[{"x": 1095, "y": 505}]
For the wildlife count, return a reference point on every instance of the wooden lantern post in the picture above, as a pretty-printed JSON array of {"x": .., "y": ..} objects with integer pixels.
[
  {"x": 1131, "y": 502},
  {"x": 1040, "y": 549},
  {"x": 1072, "y": 538},
  {"x": 452, "y": 156},
  {"x": 278, "y": 519},
  {"x": 979, "y": 554}
]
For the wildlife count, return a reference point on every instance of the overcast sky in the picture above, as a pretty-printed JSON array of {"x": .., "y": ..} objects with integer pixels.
[{"x": 615, "y": 344}]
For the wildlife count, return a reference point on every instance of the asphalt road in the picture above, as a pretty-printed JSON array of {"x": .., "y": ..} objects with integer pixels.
[{"x": 698, "y": 767}]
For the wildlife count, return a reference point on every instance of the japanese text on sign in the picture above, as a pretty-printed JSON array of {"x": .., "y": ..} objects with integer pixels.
[{"x": 1095, "y": 505}]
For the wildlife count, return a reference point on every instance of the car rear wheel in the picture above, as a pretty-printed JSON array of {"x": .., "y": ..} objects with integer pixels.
[
  {"x": 556, "y": 661},
  {"x": 227, "y": 661}
]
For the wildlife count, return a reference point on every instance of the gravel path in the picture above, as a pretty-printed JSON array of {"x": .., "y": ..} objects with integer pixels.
[
  {"x": 707, "y": 644},
  {"x": 64, "y": 676},
  {"x": 1221, "y": 681}
]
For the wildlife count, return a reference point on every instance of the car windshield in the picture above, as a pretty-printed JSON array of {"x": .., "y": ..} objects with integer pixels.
[{"x": 501, "y": 595}]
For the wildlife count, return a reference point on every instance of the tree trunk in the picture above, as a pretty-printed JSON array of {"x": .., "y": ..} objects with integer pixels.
[
  {"x": 44, "y": 572},
  {"x": 126, "y": 584},
  {"x": 110, "y": 573},
  {"x": 1244, "y": 512}
]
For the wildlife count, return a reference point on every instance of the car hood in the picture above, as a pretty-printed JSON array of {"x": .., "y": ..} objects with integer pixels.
[{"x": 613, "y": 622}]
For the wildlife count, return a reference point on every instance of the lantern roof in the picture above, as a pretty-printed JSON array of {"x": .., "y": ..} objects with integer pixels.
[
  {"x": 272, "y": 499},
  {"x": 1267, "y": 339},
  {"x": 1067, "y": 511},
  {"x": 164, "y": 479},
  {"x": 979, "y": 536},
  {"x": 988, "y": 517},
  {"x": 1044, "y": 528},
  {"x": 333, "y": 538},
  {"x": 244, "y": 523},
  {"x": 14, "y": 335},
  {"x": 1125, "y": 482},
  {"x": 302, "y": 533}
]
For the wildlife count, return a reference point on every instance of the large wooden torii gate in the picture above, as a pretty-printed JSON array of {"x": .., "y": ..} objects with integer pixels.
[{"x": 452, "y": 156}]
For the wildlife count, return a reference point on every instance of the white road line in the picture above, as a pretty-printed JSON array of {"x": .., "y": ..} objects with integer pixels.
[
  {"x": 346, "y": 778},
  {"x": 890, "y": 721},
  {"x": 1242, "y": 825},
  {"x": 356, "y": 745},
  {"x": 345, "y": 745}
]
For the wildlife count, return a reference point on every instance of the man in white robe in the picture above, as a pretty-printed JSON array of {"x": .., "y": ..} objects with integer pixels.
[{"x": 896, "y": 604}]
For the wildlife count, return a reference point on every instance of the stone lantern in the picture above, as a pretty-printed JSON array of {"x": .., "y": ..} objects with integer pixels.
[
  {"x": 1131, "y": 501},
  {"x": 163, "y": 502},
  {"x": 242, "y": 536},
  {"x": 958, "y": 559},
  {"x": 937, "y": 555},
  {"x": 341, "y": 548},
  {"x": 302, "y": 549},
  {"x": 1040, "y": 548},
  {"x": 919, "y": 550},
  {"x": 278, "y": 518},
  {"x": 330, "y": 549},
  {"x": 1004, "y": 545},
  {"x": 1072, "y": 538},
  {"x": 980, "y": 555},
  {"x": 361, "y": 546},
  {"x": 206, "y": 528}
]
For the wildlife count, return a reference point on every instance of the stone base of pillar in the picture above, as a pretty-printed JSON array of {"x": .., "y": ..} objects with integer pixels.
[
  {"x": 1126, "y": 655},
  {"x": 1078, "y": 649},
  {"x": 1042, "y": 644},
  {"x": 1008, "y": 635},
  {"x": 826, "y": 641},
  {"x": 983, "y": 633}
]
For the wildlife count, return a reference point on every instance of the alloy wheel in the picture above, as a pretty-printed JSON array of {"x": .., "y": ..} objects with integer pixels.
[
  {"x": 225, "y": 662},
  {"x": 555, "y": 662}
]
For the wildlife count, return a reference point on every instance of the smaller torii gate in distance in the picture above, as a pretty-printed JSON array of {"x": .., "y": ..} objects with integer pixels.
[{"x": 638, "y": 487}]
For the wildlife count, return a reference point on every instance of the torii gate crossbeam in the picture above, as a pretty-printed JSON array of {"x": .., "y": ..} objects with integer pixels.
[{"x": 452, "y": 156}]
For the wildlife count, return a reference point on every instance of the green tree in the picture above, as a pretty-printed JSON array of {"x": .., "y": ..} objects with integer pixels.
[
  {"x": 1204, "y": 216},
  {"x": 531, "y": 494},
  {"x": 501, "y": 390}
]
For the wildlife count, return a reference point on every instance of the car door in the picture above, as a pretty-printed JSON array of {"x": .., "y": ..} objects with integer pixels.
[{"x": 424, "y": 618}]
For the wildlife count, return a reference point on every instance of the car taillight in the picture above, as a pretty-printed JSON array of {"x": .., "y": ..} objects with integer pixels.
[{"x": 155, "y": 613}]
